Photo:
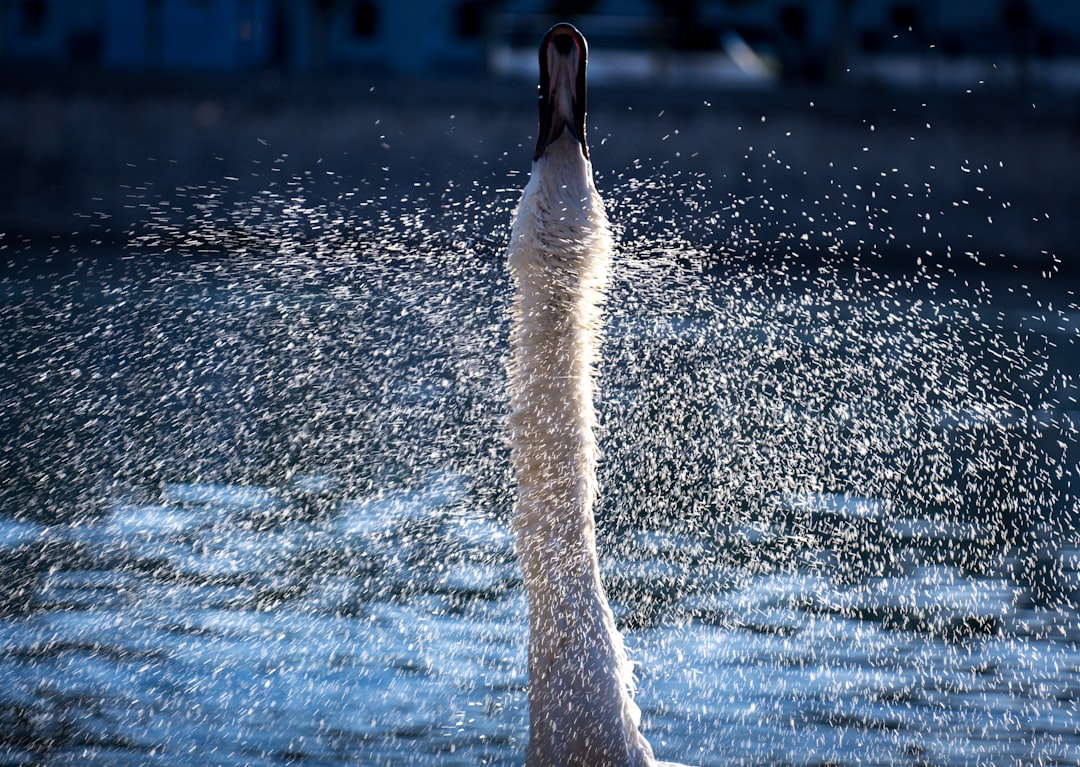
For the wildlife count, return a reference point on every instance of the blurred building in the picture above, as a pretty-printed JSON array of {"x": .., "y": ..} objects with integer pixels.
[
  {"x": 245, "y": 35},
  {"x": 901, "y": 41}
]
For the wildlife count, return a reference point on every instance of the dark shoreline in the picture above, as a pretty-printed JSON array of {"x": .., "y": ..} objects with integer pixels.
[{"x": 994, "y": 172}]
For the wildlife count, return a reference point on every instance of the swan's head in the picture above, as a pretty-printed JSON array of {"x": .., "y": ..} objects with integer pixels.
[{"x": 563, "y": 54}]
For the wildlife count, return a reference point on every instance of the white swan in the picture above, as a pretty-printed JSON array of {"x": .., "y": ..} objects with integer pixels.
[{"x": 580, "y": 679}]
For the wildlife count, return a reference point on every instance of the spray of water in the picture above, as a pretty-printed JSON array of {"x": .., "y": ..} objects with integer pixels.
[{"x": 835, "y": 491}]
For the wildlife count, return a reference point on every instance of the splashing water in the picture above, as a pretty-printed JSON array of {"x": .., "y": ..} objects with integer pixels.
[{"x": 256, "y": 490}]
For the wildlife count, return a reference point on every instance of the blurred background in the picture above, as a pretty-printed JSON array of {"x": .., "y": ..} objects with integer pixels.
[
  {"x": 253, "y": 331},
  {"x": 911, "y": 42},
  {"x": 99, "y": 98}
]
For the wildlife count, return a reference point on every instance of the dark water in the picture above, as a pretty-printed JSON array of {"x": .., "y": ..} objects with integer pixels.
[{"x": 256, "y": 515}]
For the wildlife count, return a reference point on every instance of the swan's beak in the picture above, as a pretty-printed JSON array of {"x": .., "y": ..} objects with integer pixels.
[{"x": 563, "y": 54}]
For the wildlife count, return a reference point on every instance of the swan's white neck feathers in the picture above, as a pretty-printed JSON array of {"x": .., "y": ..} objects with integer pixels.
[{"x": 580, "y": 679}]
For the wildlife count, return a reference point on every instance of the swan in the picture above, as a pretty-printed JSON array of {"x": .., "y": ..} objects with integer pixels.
[{"x": 580, "y": 678}]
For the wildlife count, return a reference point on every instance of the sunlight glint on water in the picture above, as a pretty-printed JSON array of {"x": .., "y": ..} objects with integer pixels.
[{"x": 260, "y": 512}]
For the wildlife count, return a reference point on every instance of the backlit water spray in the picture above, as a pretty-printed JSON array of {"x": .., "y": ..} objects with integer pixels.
[{"x": 256, "y": 485}]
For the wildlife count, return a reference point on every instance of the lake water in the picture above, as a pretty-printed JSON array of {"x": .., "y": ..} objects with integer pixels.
[{"x": 254, "y": 512}]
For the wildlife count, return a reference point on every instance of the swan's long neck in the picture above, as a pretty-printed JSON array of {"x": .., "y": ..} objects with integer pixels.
[{"x": 579, "y": 677}]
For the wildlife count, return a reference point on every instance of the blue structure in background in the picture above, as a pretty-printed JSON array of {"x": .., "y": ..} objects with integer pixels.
[
  {"x": 802, "y": 39},
  {"x": 170, "y": 34},
  {"x": 245, "y": 35}
]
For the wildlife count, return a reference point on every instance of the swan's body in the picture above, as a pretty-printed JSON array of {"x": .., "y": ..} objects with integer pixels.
[{"x": 580, "y": 679}]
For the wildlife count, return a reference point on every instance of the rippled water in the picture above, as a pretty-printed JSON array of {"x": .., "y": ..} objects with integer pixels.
[{"x": 254, "y": 513}]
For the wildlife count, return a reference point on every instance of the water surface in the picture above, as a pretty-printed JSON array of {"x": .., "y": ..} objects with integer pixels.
[{"x": 254, "y": 512}]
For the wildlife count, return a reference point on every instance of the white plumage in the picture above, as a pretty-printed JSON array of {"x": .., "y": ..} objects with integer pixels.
[{"x": 580, "y": 679}]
